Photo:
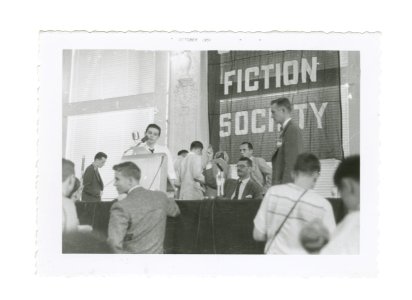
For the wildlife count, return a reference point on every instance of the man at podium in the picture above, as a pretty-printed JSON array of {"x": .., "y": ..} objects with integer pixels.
[{"x": 152, "y": 134}]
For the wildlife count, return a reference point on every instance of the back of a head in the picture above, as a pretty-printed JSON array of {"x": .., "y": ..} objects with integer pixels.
[
  {"x": 348, "y": 168},
  {"x": 307, "y": 163},
  {"x": 182, "y": 152},
  {"x": 196, "y": 145},
  {"x": 67, "y": 169},
  {"x": 282, "y": 102},
  {"x": 128, "y": 169}
]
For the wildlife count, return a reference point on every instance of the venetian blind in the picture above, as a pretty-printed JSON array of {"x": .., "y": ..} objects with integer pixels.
[
  {"x": 103, "y": 74},
  {"x": 108, "y": 132}
]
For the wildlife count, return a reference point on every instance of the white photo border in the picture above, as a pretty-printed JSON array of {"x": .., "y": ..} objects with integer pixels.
[{"x": 51, "y": 261}]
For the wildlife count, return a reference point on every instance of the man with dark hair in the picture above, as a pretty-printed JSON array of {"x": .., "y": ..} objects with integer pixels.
[
  {"x": 345, "y": 239},
  {"x": 242, "y": 188},
  {"x": 182, "y": 153},
  {"x": 138, "y": 222},
  {"x": 92, "y": 182},
  {"x": 152, "y": 133},
  {"x": 287, "y": 208},
  {"x": 69, "y": 214},
  {"x": 290, "y": 144},
  {"x": 180, "y": 156},
  {"x": 190, "y": 177},
  {"x": 260, "y": 172}
]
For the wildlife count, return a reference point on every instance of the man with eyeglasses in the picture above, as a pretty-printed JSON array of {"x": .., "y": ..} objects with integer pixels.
[{"x": 241, "y": 189}]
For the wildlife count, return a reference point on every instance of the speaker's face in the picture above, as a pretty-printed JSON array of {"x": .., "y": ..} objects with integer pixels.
[{"x": 153, "y": 135}]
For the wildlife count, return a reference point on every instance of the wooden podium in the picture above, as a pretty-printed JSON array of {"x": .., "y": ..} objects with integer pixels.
[{"x": 153, "y": 168}]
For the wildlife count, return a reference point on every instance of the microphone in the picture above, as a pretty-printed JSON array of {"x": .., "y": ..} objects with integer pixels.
[{"x": 143, "y": 140}]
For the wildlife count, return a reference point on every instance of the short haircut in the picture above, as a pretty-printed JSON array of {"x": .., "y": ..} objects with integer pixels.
[
  {"x": 196, "y": 145},
  {"x": 248, "y": 160},
  {"x": 282, "y": 102},
  {"x": 153, "y": 126},
  {"x": 128, "y": 169},
  {"x": 75, "y": 187},
  {"x": 348, "y": 168},
  {"x": 182, "y": 152},
  {"x": 249, "y": 145},
  {"x": 100, "y": 155},
  {"x": 67, "y": 169},
  {"x": 307, "y": 163}
]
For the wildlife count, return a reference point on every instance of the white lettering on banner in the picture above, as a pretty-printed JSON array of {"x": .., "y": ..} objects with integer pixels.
[
  {"x": 295, "y": 73},
  {"x": 306, "y": 68},
  {"x": 225, "y": 122},
  {"x": 241, "y": 119},
  {"x": 227, "y": 81},
  {"x": 284, "y": 69},
  {"x": 239, "y": 80},
  {"x": 255, "y": 112},
  {"x": 266, "y": 69},
  {"x": 271, "y": 121},
  {"x": 244, "y": 115},
  {"x": 278, "y": 75},
  {"x": 319, "y": 114},
  {"x": 255, "y": 86},
  {"x": 301, "y": 107}
]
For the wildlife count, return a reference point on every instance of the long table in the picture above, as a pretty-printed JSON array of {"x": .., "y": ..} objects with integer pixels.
[{"x": 203, "y": 227}]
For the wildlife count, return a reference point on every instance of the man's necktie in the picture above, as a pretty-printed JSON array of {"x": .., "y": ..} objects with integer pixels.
[
  {"x": 151, "y": 150},
  {"x": 237, "y": 190}
]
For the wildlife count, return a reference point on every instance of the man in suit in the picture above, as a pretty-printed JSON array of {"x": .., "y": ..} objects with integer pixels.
[
  {"x": 190, "y": 175},
  {"x": 242, "y": 188},
  {"x": 290, "y": 144},
  {"x": 92, "y": 182},
  {"x": 261, "y": 172},
  {"x": 138, "y": 222}
]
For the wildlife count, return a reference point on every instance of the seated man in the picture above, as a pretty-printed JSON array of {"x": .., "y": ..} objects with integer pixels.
[
  {"x": 261, "y": 171},
  {"x": 138, "y": 222},
  {"x": 242, "y": 188},
  {"x": 287, "y": 208}
]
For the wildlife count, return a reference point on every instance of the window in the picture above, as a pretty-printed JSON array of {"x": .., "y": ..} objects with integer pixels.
[{"x": 108, "y": 132}]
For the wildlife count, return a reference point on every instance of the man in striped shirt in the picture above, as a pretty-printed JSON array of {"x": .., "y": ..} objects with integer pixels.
[{"x": 287, "y": 208}]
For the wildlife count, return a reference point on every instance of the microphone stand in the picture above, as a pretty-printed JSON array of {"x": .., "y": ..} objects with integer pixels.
[{"x": 138, "y": 144}]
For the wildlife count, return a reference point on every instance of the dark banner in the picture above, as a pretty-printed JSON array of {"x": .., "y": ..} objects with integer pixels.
[{"x": 241, "y": 85}]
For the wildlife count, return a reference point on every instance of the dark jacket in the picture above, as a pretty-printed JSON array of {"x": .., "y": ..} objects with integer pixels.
[
  {"x": 284, "y": 158},
  {"x": 252, "y": 189},
  {"x": 92, "y": 185}
]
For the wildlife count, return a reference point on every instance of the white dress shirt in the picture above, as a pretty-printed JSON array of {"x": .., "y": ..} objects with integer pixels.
[
  {"x": 171, "y": 174},
  {"x": 345, "y": 239},
  {"x": 241, "y": 189}
]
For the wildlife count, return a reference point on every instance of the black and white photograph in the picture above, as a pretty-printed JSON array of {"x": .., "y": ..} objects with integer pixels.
[{"x": 244, "y": 147}]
